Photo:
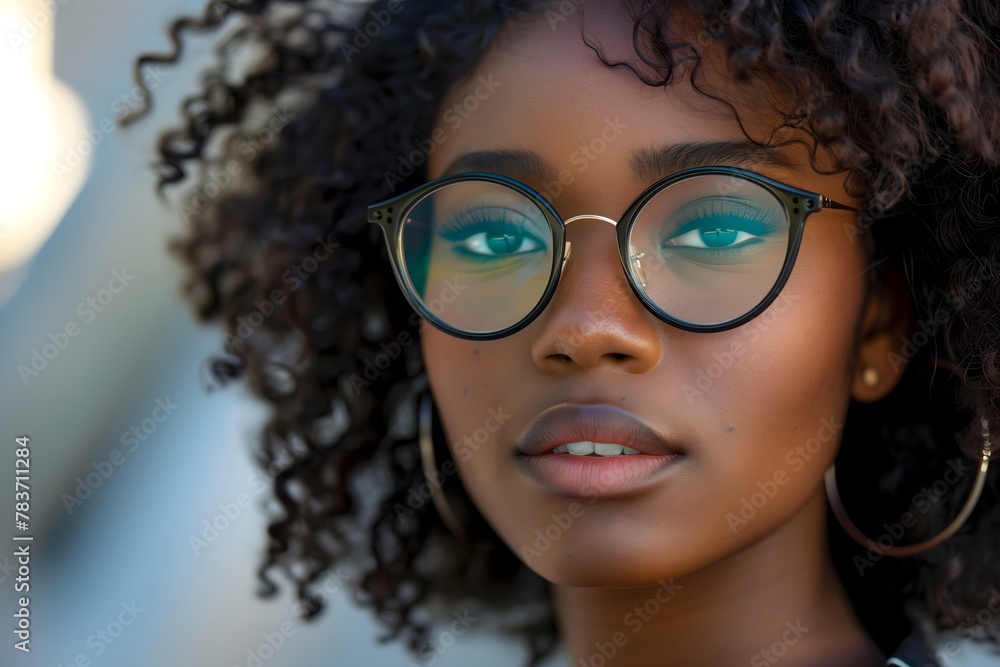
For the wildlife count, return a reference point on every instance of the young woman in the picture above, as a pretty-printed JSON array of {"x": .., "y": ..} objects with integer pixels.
[{"x": 572, "y": 307}]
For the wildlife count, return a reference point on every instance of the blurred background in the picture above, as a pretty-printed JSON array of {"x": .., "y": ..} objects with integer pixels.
[{"x": 146, "y": 509}]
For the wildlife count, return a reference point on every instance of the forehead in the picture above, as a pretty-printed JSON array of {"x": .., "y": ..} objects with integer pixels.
[{"x": 540, "y": 88}]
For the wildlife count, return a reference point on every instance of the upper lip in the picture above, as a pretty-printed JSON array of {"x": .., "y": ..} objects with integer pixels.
[{"x": 565, "y": 423}]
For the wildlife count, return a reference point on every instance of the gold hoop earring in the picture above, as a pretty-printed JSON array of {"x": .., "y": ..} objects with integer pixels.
[
  {"x": 429, "y": 464},
  {"x": 833, "y": 495}
]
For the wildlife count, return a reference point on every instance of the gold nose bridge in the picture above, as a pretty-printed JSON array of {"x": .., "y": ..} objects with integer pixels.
[
  {"x": 636, "y": 264},
  {"x": 613, "y": 223},
  {"x": 569, "y": 247}
]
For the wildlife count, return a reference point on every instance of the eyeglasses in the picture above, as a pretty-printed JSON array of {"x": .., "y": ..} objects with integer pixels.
[{"x": 707, "y": 249}]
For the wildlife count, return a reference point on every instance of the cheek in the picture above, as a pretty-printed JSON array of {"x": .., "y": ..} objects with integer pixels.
[
  {"x": 779, "y": 387},
  {"x": 475, "y": 407},
  {"x": 469, "y": 393},
  {"x": 447, "y": 361}
]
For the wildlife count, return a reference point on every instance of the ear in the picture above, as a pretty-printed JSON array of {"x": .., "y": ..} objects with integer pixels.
[{"x": 886, "y": 323}]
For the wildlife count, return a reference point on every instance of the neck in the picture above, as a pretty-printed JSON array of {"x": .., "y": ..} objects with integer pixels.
[{"x": 777, "y": 599}]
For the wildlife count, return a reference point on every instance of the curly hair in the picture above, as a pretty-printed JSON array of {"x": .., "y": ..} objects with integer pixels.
[{"x": 904, "y": 95}]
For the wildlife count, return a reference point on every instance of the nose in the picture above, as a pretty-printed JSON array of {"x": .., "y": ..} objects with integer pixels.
[{"x": 594, "y": 318}]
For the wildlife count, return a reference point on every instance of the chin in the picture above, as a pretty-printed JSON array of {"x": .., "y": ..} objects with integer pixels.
[
  {"x": 604, "y": 561},
  {"x": 577, "y": 573}
]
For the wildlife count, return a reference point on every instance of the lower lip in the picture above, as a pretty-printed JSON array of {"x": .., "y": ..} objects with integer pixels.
[{"x": 592, "y": 477}]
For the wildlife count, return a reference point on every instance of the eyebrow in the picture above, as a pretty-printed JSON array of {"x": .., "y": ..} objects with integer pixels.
[
  {"x": 648, "y": 164},
  {"x": 518, "y": 163},
  {"x": 653, "y": 164}
]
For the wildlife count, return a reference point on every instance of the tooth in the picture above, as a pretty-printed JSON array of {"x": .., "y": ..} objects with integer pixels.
[
  {"x": 586, "y": 447},
  {"x": 581, "y": 448}
]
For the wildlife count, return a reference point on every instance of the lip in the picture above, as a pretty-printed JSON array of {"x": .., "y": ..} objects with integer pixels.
[{"x": 588, "y": 476}]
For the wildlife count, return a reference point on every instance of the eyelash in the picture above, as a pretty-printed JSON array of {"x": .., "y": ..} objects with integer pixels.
[
  {"x": 694, "y": 215},
  {"x": 454, "y": 227},
  {"x": 460, "y": 226}
]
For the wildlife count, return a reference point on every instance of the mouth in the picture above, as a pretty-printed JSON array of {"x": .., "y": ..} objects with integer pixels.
[{"x": 593, "y": 451}]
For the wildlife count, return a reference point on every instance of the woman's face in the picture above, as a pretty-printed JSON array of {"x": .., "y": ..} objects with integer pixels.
[{"x": 753, "y": 413}]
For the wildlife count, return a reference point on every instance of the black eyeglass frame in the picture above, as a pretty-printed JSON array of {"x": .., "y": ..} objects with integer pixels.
[{"x": 798, "y": 204}]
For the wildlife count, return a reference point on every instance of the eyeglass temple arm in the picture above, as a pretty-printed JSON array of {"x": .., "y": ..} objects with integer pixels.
[{"x": 826, "y": 202}]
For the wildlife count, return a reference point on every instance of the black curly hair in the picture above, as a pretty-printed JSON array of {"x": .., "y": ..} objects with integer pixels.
[{"x": 334, "y": 111}]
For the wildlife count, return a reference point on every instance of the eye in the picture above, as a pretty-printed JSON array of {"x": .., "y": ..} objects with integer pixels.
[
  {"x": 499, "y": 242},
  {"x": 717, "y": 227},
  {"x": 707, "y": 237},
  {"x": 491, "y": 233}
]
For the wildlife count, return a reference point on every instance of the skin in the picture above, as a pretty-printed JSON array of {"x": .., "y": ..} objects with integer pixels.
[{"x": 735, "y": 590}]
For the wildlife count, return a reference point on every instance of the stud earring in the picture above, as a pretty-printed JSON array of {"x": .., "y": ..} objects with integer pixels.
[{"x": 869, "y": 376}]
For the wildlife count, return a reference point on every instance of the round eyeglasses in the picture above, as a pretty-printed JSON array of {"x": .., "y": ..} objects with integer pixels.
[{"x": 707, "y": 249}]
